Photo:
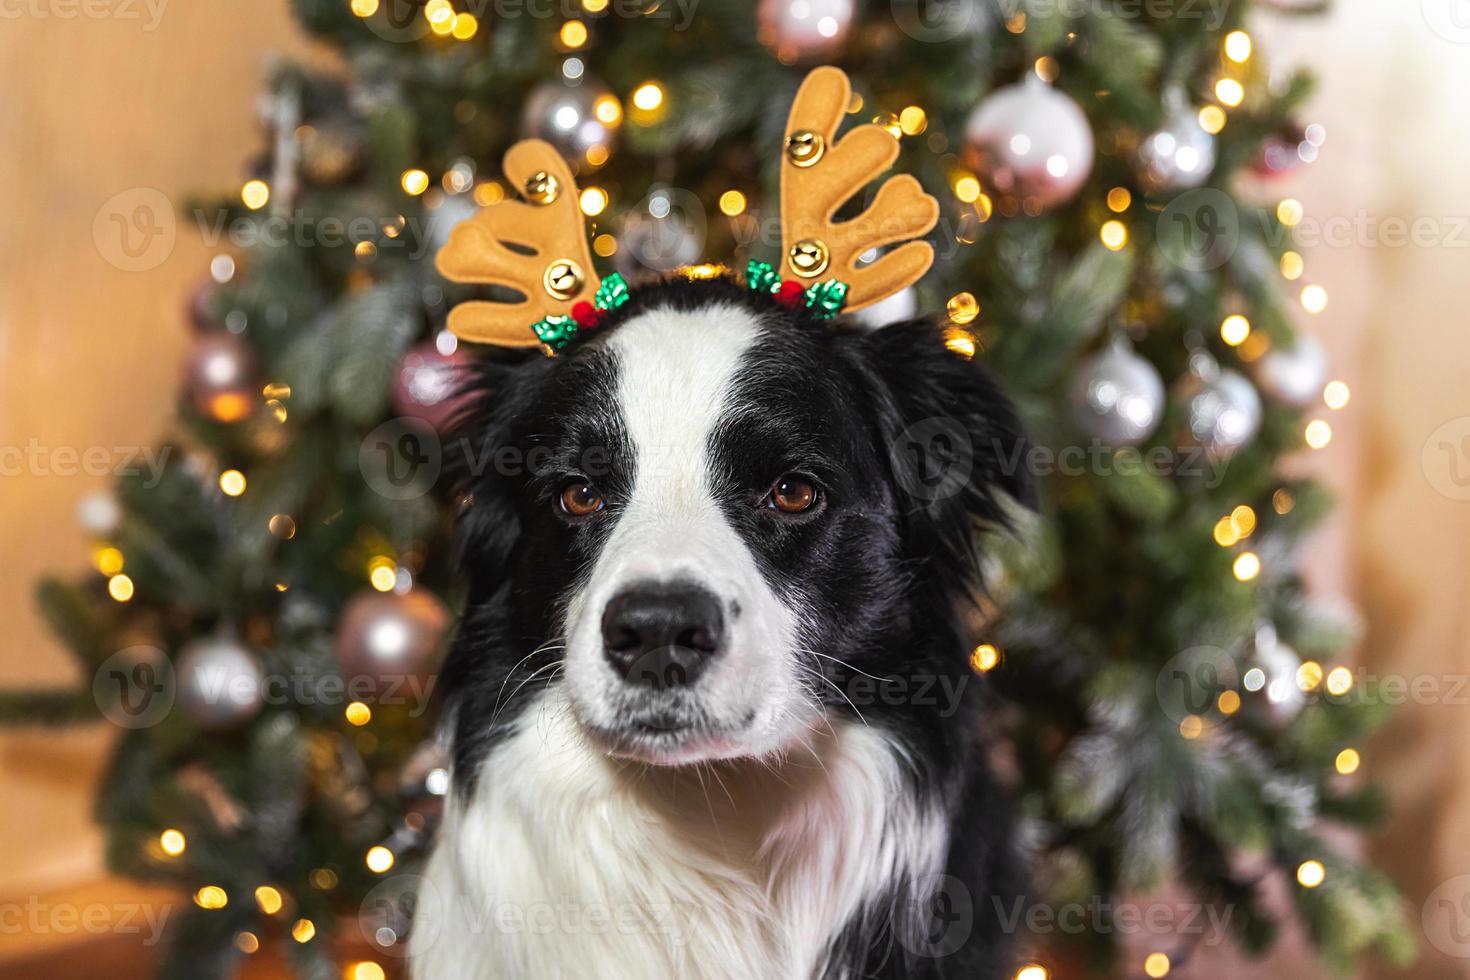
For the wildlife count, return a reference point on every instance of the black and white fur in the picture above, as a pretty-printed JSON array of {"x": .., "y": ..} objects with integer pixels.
[{"x": 783, "y": 817}]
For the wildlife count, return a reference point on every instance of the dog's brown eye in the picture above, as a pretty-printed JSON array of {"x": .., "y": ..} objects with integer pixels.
[
  {"x": 792, "y": 495},
  {"x": 580, "y": 499}
]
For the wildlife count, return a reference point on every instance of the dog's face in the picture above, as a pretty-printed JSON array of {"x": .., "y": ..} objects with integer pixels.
[{"x": 698, "y": 519}]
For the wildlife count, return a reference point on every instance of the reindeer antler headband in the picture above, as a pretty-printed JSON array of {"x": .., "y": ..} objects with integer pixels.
[{"x": 539, "y": 247}]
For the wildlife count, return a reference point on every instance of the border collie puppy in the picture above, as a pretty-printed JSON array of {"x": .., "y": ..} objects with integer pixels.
[{"x": 710, "y": 709}]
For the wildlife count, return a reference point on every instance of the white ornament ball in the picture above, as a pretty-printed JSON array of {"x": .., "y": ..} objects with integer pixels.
[
  {"x": 800, "y": 29},
  {"x": 1222, "y": 413},
  {"x": 1030, "y": 141},
  {"x": 1117, "y": 396},
  {"x": 1180, "y": 155},
  {"x": 1293, "y": 377},
  {"x": 901, "y": 306},
  {"x": 99, "y": 513},
  {"x": 220, "y": 683}
]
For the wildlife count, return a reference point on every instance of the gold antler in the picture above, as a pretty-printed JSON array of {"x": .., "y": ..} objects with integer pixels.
[
  {"x": 491, "y": 248},
  {"x": 819, "y": 174}
]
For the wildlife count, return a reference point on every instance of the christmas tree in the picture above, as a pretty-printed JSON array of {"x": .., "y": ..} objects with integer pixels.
[{"x": 1176, "y": 710}]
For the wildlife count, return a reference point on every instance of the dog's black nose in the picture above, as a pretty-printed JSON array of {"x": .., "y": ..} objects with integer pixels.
[{"x": 662, "y": 636}]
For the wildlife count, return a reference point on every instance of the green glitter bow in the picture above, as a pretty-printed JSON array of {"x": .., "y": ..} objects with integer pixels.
[
  {"x": 560, "y": 329},
  {"x": 822, "y": 300}
]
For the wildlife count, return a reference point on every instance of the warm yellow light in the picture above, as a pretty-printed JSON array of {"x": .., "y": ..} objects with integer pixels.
[
  {"x": 1310, "y": 874},
  {"x": 985, "y": 658},
  {"x": 488, "y": 193},
  {"x": 247, "y": 942},
  {"x": 1243, "y": 520},
  {"x": 358, "y": 714},
  {"x": 963, "y": 308},
  {"x": 1238, "y": 46},
  {"x": 414, "y": 181},
  {"x": 1314, "y": 299},
  {"x": 255, "y": 194},
  {"x": 466, "y": 25},
  {"x": 967, "y": 189},
  {"x": 379, "y": 859},
  {"x": 364, "y": 8},
  {"x": 232, "y": 483},
  {"x": 1119, "y": 198},
  {"x": 704, "y": 270},
  {"x": 1339, "y": 681},
  {"x": 1318, "y": 433},
  {"x": 608, "y": 110},
  {"x": 383, "y": 577},
  {"x": 1114, "y": 235},
  {"x": 282, "y": 526},
  {"x": 120, "y": 587},
  {"x": 1348, "y": 761},
  {"x": 732, "y": 202},
  {"x": 1309, "y": 676},
  {"x": 1225, "y": 533},
  {"x": 1156, "y": 965},
  {"x": 605, "y": 245},
  {"x": 912, "y": 120},
  {"x": 1230, "y": 92},
  {"x": 1234, "y": 329},
  {"x": 596, "y": 155},
  {"x": 1211, "y": 119},
  {"x": 1192, "y": 727},
  {"x": 961, "y": 342},
  {"x": 303, "y": 930},
  {"x": 1282, "y": 501},
  {"x": 364, "y": 971},
  {"x": 648, "y": 96},
  {"x": 594, "y": 201},
  {"x": 211, "y": 897},
  {"x": 1292, "y": 265},
  {"x": 1336, "y": 395},
  {"x": 1228, "y": 702},
  {"x": 1033, "y": 971},
  {"x": 109, "y": 561},
  {"x": 594, "y": 6},
  {"x": 1047, "y": 68},
  {"x": 173, "y": 842},
  {"x": 1290, "y": 212},
  {"x": 573, "y": 34},
  {"x": 269, "y": 899},
  {"x": 1247, "y": 566}
]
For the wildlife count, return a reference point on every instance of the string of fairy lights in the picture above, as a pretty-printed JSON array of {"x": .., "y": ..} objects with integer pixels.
[{"x": 648, "y": 104}]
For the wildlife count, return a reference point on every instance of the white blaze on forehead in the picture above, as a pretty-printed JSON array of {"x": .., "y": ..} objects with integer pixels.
[{"x": 675, "y": 373}]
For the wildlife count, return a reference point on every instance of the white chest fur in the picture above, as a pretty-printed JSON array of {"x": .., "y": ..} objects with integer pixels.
[{"x": 565, "y": 865}]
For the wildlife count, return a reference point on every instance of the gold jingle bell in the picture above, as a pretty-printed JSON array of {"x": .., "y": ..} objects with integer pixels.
[
  {"x": 563, "y": 279},
  {"x": 542, "y": 188},
  {"x": 809, "y": 258},
  {"x": 804, "y": 147}
]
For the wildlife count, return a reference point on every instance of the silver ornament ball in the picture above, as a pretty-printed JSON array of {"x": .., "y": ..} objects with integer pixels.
[
  {"x": 567, "y": 116},
  {"x": 1222, "y": 411},
  {"x": 1293, "y": 376},
  {"x": 795, "y": 30},
  {"x": 220, "y": 683},
  {"x": 1180, "y": 155},
  {"x": 1117, "y": 396},
  {"x": 1030, "y": 141},
  {"x": 222, "y": 377},
  {"x": 385, "y": 636}
]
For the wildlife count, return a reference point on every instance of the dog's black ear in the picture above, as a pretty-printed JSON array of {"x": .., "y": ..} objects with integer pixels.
[
  {"x": 953, "y": 439},
  {"x": 496, "y": 392}
]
